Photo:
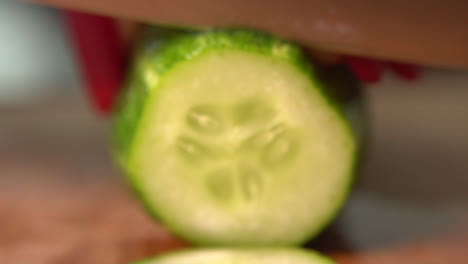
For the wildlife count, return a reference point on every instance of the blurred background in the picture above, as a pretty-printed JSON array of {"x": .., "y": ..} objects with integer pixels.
[
  {"x": 413, "y": 186},
  {"x": 34, "y": 50}
]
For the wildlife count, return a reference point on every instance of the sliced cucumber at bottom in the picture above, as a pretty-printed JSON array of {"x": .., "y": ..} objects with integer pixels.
[
  {"x": 230, "y": 139},
  {"x": 240, "y": 256}
]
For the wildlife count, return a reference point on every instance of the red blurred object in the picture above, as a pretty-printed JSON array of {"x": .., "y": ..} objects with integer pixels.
[
  {"x": 367, "y": 70},
  {"x": 408, "y": 72},
  {"x": 101, "y": 55},
  {"x": 370, "y": 71}
]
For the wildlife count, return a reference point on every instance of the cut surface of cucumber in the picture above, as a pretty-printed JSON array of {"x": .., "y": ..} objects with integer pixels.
[
  {"x": 230, "y": 140},
  {"x": 240, "y": 256}
]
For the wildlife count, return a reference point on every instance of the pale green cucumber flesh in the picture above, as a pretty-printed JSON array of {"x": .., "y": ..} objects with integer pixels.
[
  {"x": 237, "y": 147},
  {"x": 240, "y": 256}
]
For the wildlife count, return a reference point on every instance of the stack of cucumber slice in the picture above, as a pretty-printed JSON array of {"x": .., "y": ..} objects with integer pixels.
[
  {"x": 231, "y": 139},
  {"x": 240, "y": 256}
]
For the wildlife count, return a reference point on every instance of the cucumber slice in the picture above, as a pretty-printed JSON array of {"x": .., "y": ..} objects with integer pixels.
[
  {"x": 240, "y": 256},
  {"x": 230, "y": 139}
]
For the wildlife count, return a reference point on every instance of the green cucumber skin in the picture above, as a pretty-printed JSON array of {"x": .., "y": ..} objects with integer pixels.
[
  {"x": 313, "y": 255},
  {"x": 162, "y": 50}
]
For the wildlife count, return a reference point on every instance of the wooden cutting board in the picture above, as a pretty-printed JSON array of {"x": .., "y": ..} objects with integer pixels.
[{"x": 56, "y": 215}]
